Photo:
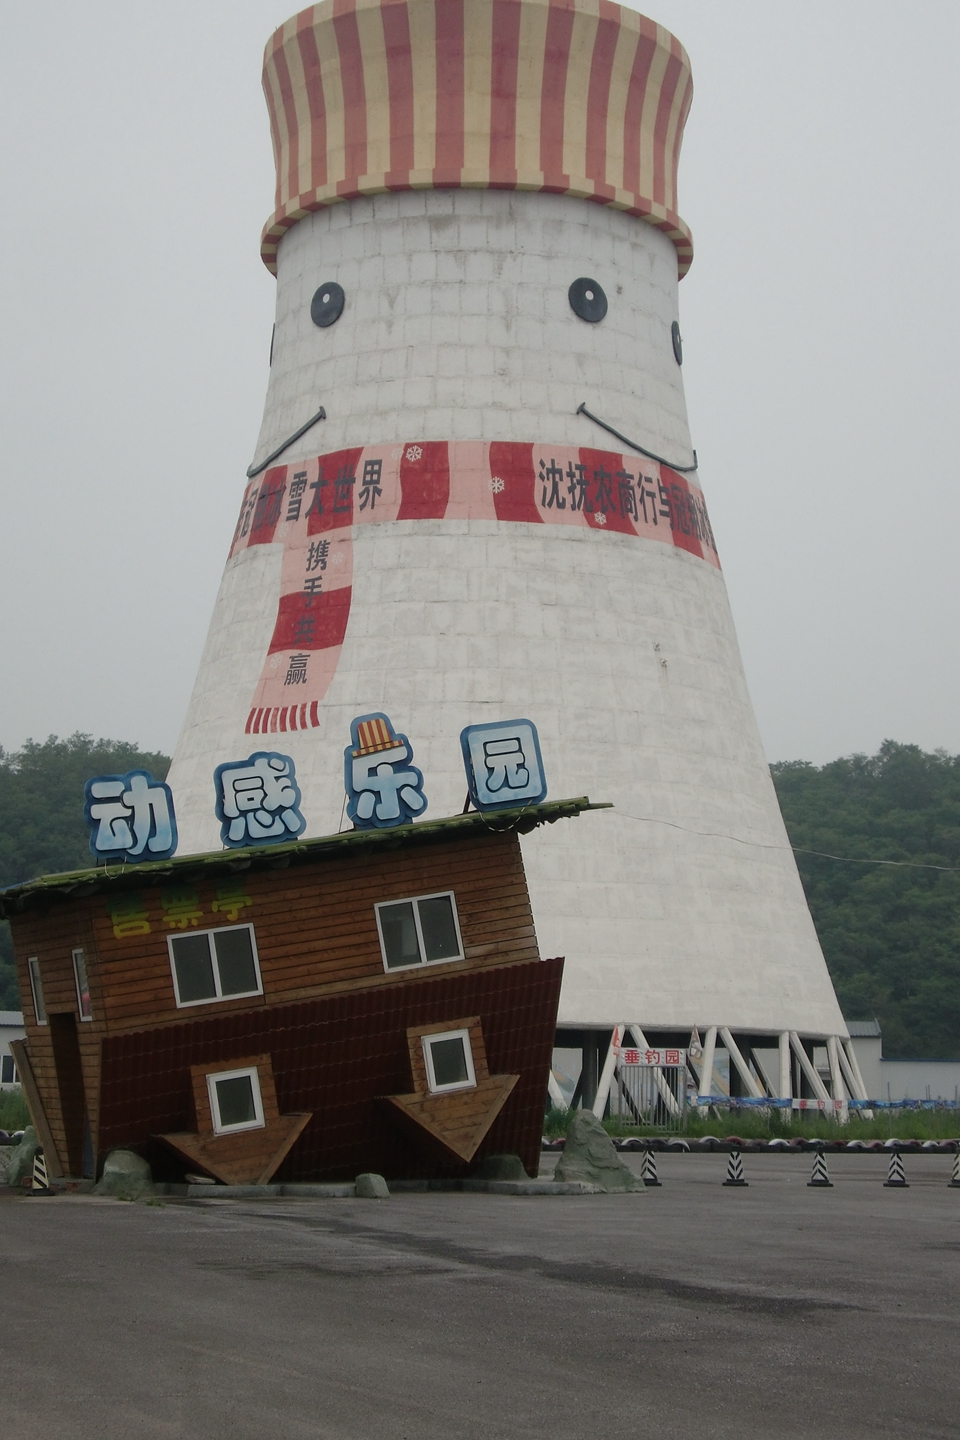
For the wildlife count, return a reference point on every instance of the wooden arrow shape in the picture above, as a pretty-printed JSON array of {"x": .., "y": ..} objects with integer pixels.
[
  {"x": 460, "y": 1119},
  {"x": 248, "y": 1157}
]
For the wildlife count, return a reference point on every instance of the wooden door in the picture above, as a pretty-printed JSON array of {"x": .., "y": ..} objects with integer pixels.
[{"x": 73, "y": 1102}]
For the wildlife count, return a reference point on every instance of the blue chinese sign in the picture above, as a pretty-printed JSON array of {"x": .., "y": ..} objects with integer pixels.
[
  {"x": 503, "y": 764},
  {"x": 130, "y": 817},
  {"x": 383, "y": 787},
  {"x": 258, "y": 800}
]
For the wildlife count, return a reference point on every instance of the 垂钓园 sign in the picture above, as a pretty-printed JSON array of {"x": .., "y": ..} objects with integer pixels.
[{"x": 669, "y": 1058}]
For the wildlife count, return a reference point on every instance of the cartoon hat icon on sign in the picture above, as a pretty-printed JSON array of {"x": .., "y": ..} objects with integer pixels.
[{"x": 383, "y": 786}]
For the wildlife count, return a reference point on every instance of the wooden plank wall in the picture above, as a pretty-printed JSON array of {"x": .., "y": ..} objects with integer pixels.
[
  {"x": 315, "y": 931},
  {"x": 52, "y": 936}
]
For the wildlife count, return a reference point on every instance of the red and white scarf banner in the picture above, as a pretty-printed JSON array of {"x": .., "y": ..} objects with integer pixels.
[{"x": 311, "y": 506}]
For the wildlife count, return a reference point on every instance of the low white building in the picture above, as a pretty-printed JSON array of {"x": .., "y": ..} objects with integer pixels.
[
  {"x": 900, "y": 1079},
  {"x": 865, "y": 1037},
  {"x": 920, "y": 1080},
  {"x": 11, "y": 1028}
]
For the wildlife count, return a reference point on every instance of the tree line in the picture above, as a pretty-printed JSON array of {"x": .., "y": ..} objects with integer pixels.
[
  {"x": 890, "y": 932},
  {"x": 42, "y": 831}
]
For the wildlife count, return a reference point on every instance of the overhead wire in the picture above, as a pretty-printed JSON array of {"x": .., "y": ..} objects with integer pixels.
[{"x": 796, "y": 849}]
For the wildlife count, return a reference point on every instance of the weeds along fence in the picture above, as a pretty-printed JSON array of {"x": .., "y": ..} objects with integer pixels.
[{"x": 660, "y": 1099}]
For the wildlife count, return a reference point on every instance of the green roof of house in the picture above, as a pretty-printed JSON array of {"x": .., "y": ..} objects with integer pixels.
[{"x": 76, "y": 884}]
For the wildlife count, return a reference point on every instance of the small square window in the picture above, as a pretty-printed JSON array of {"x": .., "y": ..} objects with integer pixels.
[
  {"x": 214, "y": 965},
  {"x": 36, "y": 987},
  {"x": 235, "y": 1102},
  {"x": 449, "y": 1061},
  {"x": 424, "y": 931},
  {"x": 83, "y": 985}
]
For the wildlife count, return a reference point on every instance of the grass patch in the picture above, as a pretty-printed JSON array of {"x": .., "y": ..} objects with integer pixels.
[
  {"x": 14, "y": 1114},
  {"x": 755, "y": 1125},
  {"x": 904, "y": 1124}
]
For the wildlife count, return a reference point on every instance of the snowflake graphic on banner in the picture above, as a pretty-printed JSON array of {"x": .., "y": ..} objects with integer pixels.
[
  {"x": 414, "y": 452},
  {"x": 383, "y": 787},
  {"x": 498, "y": 485}
]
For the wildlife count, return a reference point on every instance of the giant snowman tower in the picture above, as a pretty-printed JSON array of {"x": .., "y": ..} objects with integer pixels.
[{"x": 477, "y": 251}]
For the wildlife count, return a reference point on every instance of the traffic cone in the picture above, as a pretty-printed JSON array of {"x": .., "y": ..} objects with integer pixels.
[
  {"x": 954, "y": 1181},
  {"x": 648, "y": 1169},
  {"x": 735, "y": 1170},
  {"x": 896, "y": 1180},
  {"x": 819, "y": 1180},
  {"x": 40, "y": 1185}
]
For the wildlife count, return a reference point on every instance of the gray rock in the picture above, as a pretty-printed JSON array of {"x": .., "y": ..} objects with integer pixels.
[
  {"x": 372, "y": 1187},
  {"x": 7, "y": 1152},
  {"x": 589, "y": 1155},
  {"x": 541, "y": 1187},
  {"x": 500, "y": 1167},
  {"x": 125, "y": 1177},
  {"x": 20, "y": 1159}
]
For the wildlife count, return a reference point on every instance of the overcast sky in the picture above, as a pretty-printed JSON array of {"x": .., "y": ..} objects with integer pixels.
[{"x": 819, "y": 176}]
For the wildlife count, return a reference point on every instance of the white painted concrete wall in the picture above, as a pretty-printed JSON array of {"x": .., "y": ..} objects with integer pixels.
[
  {"x": 457, "y": 324},
  {"x": 683, "y": 905},
  {"x": 867, "y": 1049},
  {"x": 918, "y": 1080}
]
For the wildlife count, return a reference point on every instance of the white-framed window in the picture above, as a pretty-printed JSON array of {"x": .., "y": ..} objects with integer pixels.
[
  {"x": 215, "y": 965},
  {"x": 421, "y": 931},
  {"x": 449, "y": 1061},
  {"x": 8, "y": 1070},
  {"x": 83, "y": 985},
  {"x": 235, "y": 1102},
  {"x": 36, "y": 988}
]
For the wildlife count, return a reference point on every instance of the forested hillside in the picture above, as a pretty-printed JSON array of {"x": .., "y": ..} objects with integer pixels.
[
  {"x": 891, "y": 933},
  {"x": 41, "y": 814}
]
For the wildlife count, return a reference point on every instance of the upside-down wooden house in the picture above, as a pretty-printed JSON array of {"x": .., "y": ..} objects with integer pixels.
[{"x": 372, "y": 1000}]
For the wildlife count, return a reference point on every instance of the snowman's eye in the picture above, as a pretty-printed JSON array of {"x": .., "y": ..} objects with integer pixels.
[
  {"x": 587, "y": 300},
  {"x": 327, "y": 304}
]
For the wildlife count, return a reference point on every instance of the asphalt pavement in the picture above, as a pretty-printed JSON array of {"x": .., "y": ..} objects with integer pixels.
[{"x": 772, "y": 1311}]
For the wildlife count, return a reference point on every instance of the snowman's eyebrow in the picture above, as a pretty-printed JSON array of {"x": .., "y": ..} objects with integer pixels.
[{"x": 255, "y": 469}]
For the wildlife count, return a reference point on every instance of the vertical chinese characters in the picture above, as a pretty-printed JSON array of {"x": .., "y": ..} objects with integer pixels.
[
  {"x": 297, "y": 670},
  {"x": 258, "y": 800},
  {"x": 130, "y": 817},
  {"x": 503, "y": 764}
]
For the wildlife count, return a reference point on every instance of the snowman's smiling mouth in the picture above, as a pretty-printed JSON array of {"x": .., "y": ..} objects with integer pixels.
[{"x": 681, "y": 469}]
